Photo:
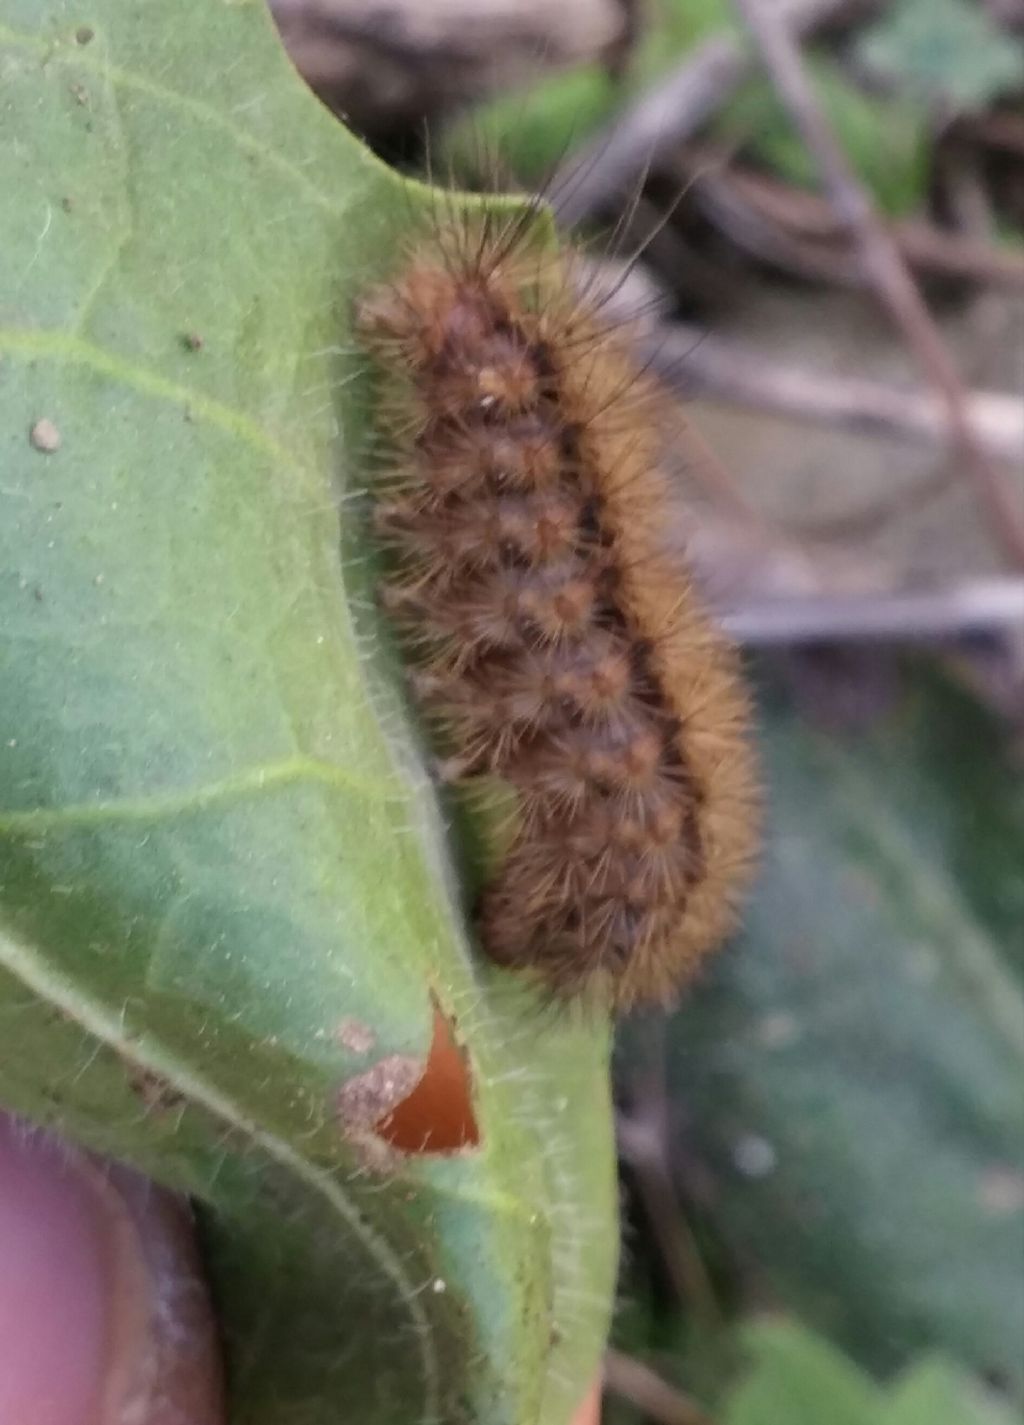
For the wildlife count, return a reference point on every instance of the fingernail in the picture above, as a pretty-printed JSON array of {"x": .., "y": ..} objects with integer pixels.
[{"x": 102, "y": 1298}]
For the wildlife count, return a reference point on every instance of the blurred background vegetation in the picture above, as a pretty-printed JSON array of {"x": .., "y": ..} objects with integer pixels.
[{"x": 828, "y": 1133}]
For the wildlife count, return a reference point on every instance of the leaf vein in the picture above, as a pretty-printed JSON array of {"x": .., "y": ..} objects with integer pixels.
[
  {"x": 291, "y": 772},
  {"x": 80, "y": 59},
  {"x": 66, "y": 346}
]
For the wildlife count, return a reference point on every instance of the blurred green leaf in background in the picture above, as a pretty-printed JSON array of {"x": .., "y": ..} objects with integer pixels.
[
  {"x": 885, "y": 137},
  {"x": 951, "y": 52},
  {"x": 849, "y": 1077},
  {"x": 796, "y": 1379}
]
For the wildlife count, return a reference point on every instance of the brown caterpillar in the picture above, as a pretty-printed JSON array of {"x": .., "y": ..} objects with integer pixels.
[{"x": 558, "y": 645}]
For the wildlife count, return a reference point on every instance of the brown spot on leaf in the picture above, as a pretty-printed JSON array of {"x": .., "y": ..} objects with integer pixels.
[
  {"x": 366, "y": 1098},
  {"x": 157, "y": 1095},
  {"x": 355, "y": 1036}
]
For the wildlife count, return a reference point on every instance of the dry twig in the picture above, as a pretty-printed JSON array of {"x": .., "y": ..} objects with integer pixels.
[
  {"x": 883, "y": 264},
  {"x": 642, "y": 1136},
  {"x": 631, "y": 1380},
  {"x": 641, "y": 1139},
  {"x": 1000, "y": 131},
  {"x": 984, "y": 606},
  {"x": 696, "y": 363},
  {"x": 670, "y": 112},
  {"x": 799, "y": 230}
]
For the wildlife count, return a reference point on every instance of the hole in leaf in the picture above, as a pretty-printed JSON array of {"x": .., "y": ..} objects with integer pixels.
[{"x": 436, "y": 1116}]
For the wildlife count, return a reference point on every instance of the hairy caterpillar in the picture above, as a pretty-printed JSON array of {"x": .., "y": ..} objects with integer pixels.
[{"x": 557, "y": 644}]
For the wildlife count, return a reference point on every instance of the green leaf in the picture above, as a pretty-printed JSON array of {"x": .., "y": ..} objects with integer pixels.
[
  {"x": 796, "y": 1378},
  {"x": 852, "y": 1069},
  {"x": 886, "y": 139},
  {"x": 951, "y": 51},
  {"x": 219, "y": 849},
  {"x": 934, "y": 1391}
]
